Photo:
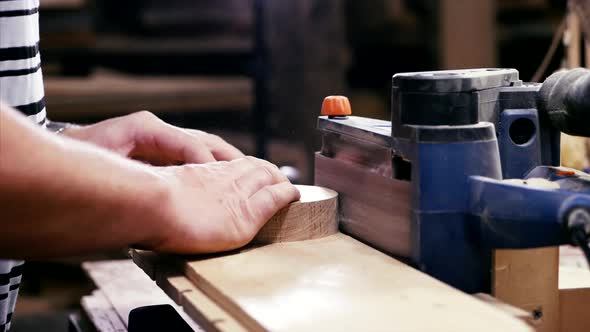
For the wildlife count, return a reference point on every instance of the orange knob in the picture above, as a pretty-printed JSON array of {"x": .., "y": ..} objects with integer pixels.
[
  {"x": 563, "y": 172},
  {"x": 336, "y": 106}
]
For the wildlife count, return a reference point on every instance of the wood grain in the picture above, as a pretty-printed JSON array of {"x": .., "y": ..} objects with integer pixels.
[
  {"x": 380, "y": 217},
  {"x": 201, "y": 308},
  {"x": 337, "y": 284},
  {"x": 528, "y": 279},
  {"x": 313, "y": 216},
  {"x": 126, "y": 288}
]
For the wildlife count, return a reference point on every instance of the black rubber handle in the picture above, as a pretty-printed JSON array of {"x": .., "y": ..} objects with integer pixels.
[{"x": 565, "y": 98}]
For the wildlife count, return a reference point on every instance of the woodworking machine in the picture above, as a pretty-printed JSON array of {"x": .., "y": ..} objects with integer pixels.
[{"x": 469, "y": 163}]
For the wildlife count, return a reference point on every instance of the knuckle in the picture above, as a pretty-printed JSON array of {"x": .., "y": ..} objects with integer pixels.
[
  {"x": 237, "y": 186},
  {"x": 251, "y": 159},
  {"x": 235, "y": 233},
  {"x": 267, "y": 173},
  {"x": 215, "y": 139},
  {"x": 145, "y": 116},
  {"x": 246, "y": 210},
  {"x": 273, "y": 195},
  {"x": 275, "y": 173},
  {"x": 221, "y": 163}
]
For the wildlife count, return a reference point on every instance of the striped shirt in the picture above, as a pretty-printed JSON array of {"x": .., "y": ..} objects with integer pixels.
[
  {"x": 21, "y": 80},
  {"x": 21, "y": 86}
]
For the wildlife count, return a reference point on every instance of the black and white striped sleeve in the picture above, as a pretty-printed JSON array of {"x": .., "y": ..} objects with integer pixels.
[
  {"x": 10, "y": 278},
  {"x": 21, "y": 79}
]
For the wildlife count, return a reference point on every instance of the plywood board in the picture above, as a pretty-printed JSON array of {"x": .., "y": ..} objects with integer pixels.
[
  {"x": 337, "y": 284},
  {"x": 201, "y": 308}
]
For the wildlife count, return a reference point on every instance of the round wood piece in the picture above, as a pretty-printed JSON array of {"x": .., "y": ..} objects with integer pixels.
[{"x": 313, "y": 216}]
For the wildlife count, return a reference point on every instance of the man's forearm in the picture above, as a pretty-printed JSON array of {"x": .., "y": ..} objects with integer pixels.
[{"x": 59, "y": 196}]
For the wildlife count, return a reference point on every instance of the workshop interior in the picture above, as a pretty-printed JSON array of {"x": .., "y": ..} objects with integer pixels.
[{"x": 454, "y": 132}]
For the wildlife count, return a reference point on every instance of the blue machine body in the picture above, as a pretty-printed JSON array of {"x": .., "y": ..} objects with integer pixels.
[{"x": 462, "y": 134}]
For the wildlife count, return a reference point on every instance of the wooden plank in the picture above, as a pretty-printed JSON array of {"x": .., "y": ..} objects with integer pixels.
[
  {"x": 312, "y": 217},
  {"x": 201, "y": 308},
  {"x": 528, "y": 279},
  {"x": 101, "y": 313},
  {"x": 109, "y": 94},
  {"x": 337, "y": 284},
  {"x": 127, "y": 288},
  {"x": 164, "y": 269}
]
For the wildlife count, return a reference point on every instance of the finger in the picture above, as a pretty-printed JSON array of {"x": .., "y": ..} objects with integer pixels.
[
  {"x": 264, "y": 174},
  {"x": 223, "y": 151},
  {"x": 174, "y": 144},
  {"x": 197, "y": 155},
  {"x": 242, "y": 166},
  {"x": 269, "y": 200},
  {"x": 190, "y": 149}
]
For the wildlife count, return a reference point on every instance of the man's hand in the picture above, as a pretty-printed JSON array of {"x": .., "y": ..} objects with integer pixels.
[
  {"x": 142, "y": 136},
  {"x": 218, "y": 206},
  {"x": 70, "y": 197}
]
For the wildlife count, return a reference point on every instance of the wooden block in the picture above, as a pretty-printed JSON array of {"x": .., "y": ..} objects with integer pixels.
[
  {"x": 574, "y": 152},
  {"x": 337, "y": 284},
  {"x": 528, "y": 279},
  {"x": 574, "y": 291},
  {"x": 382, "y": 217},
  {"x": 312, "y": 217},
  {"x": 574, "y": 310}
]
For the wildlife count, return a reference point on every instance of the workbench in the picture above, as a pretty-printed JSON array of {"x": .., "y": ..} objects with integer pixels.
[
  {"x": 122, "y": 287},
  {"x": 331, "y": 284}
]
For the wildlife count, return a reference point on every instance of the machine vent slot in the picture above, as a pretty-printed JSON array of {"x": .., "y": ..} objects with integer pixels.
[{"x": 402, "y": 169}]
